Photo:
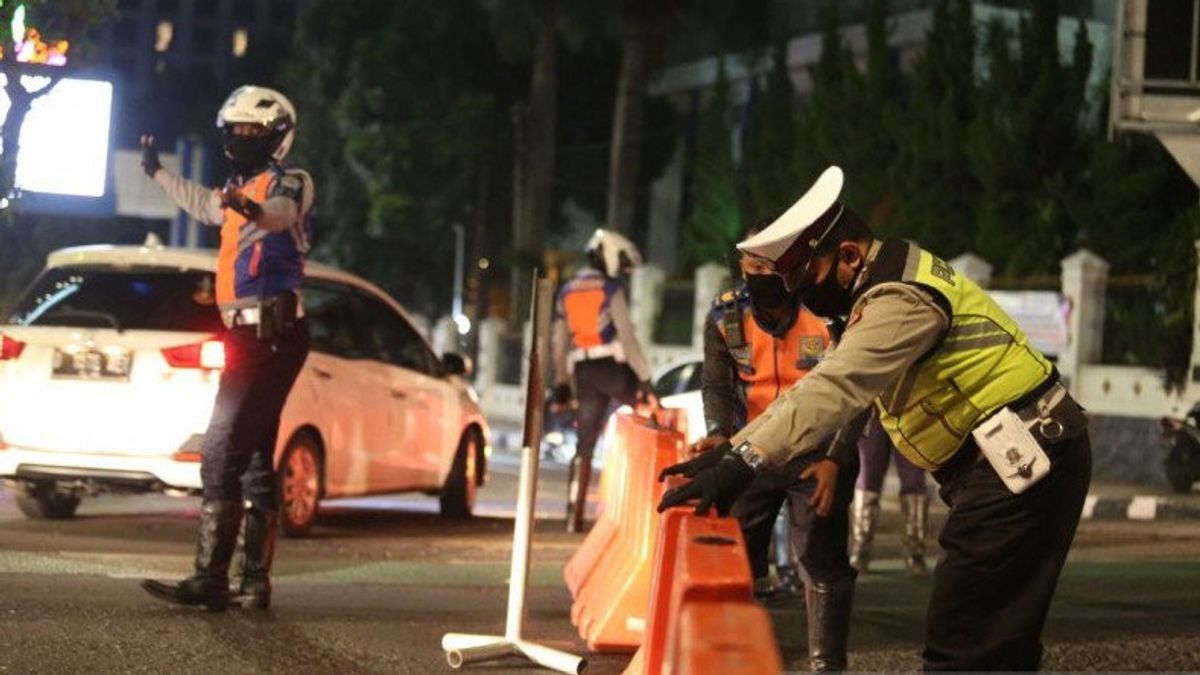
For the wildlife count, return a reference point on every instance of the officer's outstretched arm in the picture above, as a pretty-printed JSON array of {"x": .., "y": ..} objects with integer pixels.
[
  {"x": 895, "y": 325},
  {"x": 200, "y": 202}
]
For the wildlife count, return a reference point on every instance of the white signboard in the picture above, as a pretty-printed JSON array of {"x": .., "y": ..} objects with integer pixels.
[
  {"x": 1041, "y": 314},
  {"x": 65, "y": 138}
]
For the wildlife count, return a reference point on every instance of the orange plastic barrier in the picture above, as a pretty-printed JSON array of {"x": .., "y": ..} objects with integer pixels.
[
  {"x": 702, "y": 616},
  {"x": 604, "y": 530},
  {"x": 613, "y": 568}
]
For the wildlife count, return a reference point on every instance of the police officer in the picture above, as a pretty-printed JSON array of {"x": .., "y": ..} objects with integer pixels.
[
  {"x": 960, "y": 392},
  {"x": 263, "y": 213},
  {"x": 594, "y": 342},
  {"x": 759, "y": 340}
]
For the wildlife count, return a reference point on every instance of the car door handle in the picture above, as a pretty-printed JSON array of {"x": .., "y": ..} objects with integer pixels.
[
  {"x": 323, "y": 374},
  {"x": 397, "y": 394}
]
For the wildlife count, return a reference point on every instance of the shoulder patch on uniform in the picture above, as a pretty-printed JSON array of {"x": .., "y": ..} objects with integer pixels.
[{"x": 287, "y": 185}]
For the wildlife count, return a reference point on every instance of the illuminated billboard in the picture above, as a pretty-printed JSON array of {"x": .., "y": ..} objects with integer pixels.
[{"x": 65, "y": 138}]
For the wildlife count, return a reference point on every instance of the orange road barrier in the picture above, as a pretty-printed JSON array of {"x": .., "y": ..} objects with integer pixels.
[
  {"x": 702, "y": 616},
  {"x": 613, "y": 568}
]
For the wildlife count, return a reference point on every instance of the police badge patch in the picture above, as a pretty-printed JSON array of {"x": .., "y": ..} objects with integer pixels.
[{"x": 812, "y": 348}]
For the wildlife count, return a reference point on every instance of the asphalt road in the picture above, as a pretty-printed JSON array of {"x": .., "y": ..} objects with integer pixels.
[{"x": 383, "y": 578}]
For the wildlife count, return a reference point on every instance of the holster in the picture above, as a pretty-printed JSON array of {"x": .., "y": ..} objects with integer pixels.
[{"x": 277, "y": 316}]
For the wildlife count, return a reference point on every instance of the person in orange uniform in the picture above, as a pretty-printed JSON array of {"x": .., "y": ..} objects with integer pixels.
[
  {"x": 594, "y": 342},
  {"x": 263, "y": 213},
  {"x": 759, "y": 340}
]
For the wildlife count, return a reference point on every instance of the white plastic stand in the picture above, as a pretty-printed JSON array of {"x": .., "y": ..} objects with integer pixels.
[{"x": 462, "y": 648}]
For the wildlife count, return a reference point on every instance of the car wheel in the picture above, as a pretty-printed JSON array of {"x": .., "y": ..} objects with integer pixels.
[
  {"x": 457, "y": 498},
  {"x": 299, "y": 486},
  {"x": 1179, "y": 474},
  {"x": 47, "y": 505}
]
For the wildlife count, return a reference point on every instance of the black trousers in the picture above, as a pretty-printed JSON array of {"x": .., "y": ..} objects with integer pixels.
[
  {"x": 599, "y": 383},
  {"x": 819, "y": 543},
  {"x": 237, "y": 459},
  {"x": 1003, "y": 554}
]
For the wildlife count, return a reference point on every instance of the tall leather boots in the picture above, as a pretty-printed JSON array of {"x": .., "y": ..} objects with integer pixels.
[
  {"x": 864, "y": 515},
  {"x": 828, "y": 607},
  {"x": 209, "y": 585},
  {"x": 258, "y": 547},
  {"x": 916, "y": 523}
]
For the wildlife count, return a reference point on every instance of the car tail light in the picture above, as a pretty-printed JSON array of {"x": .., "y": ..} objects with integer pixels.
[
  {"x": 209, "y": 354},
  {"x": 10, "y": 348}
]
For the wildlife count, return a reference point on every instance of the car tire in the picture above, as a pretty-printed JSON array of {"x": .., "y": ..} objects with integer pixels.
[
  {"x": 457, "y": 498},
  {"x": 1179, "y": 474},
  {"x": 300, "y": 478},
  {"x": 48, "y": 506}
]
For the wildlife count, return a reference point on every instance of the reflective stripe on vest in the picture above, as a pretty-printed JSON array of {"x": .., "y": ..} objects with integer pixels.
[
  {"x": 983, "y": 362},
  {"x": 231, "y": 246},
  {"x": 768, "y": 365}
]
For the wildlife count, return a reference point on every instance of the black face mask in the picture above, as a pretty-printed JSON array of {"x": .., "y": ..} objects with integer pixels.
[
  {"x": 767, "y": 290},
  {"x": 828, "y": 298},
  {"x": 249, "y": 153}
]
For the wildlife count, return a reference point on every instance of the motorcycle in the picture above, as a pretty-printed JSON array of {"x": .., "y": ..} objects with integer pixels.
[{"x": 1182, "y": 437}]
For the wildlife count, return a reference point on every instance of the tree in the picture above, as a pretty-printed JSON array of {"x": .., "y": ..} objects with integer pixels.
[
  {"x": 715, "y": 222},
  {"x": 768, "y": 173},
  {"x": 1027, "y": 144},
  {"x": 404, "y": 123},
  {"x": 937, "y": 188}
]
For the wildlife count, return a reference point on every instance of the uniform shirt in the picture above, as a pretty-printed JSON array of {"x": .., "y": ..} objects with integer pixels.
[
  {"x": 613, "y": 323},
  {"x": 891, "y": 326}
]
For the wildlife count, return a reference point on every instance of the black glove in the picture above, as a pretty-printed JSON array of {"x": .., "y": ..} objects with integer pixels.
[
  {"x": 695, "y": 465},
  {"x": 718, "y": 486},
  {"x": 561, "y": 394},
  {"x": 234, "y": 198},
  {"x": 150, "y": 163}
]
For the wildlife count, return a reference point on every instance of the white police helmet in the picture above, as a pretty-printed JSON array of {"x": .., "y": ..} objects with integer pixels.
[
  {"x": 612, "y": 253},
  {"x": 265, "y": 107}
]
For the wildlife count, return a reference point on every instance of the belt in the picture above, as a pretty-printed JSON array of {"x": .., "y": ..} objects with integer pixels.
[
  {"x": 612, "y": 350},
  {"x": 250, "y": 316},
  {"x": 1031, "y": 408}
]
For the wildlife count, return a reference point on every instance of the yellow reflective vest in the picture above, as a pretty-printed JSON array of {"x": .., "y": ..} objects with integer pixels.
[{"x": 983, "y": 363}]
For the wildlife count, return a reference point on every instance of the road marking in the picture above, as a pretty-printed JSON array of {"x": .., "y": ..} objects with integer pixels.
[{"x": 1142, "y": 508}]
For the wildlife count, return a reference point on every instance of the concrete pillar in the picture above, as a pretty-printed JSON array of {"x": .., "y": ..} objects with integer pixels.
[
  {"x": 1084, "y": 279},
  {"x": 711, "y": 278},
  {"x": 974, "y": 268},
  {"x": 645, "y": 300},
  {"x": 444, "y": 338},
  {"x": 487, "y": 364}
]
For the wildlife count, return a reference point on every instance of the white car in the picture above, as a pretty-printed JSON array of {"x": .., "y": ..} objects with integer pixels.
[{"x": 109, "y": 367}]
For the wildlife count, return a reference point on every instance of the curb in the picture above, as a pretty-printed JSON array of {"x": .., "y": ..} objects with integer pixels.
[{"x": 1140, "y": 507}]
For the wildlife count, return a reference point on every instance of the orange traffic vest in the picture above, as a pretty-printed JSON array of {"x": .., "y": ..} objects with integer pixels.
[
  {"x": 227, "y": 256},
  {"x": 769, "y": 364}
]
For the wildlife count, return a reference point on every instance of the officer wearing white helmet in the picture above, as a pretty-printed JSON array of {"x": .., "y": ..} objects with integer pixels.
[
  {"x": 594, "y": 341},
  {"x": 263, "y": 212},
  {"x": 960, "y": 392}
]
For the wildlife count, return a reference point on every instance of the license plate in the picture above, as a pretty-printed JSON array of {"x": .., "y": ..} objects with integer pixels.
[{"x": 92, "y": 364}]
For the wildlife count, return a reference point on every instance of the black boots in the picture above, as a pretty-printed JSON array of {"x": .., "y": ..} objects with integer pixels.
[
  {"x": 209, "y": 586},
  {"x": 828, "y": 625},
  {"x": 258, "y": 545}
]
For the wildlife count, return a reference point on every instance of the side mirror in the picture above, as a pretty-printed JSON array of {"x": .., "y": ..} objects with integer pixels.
[{"x": 455, "y": 364}]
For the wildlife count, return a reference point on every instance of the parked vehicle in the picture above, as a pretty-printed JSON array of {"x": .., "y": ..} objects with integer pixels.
[
  {"x": 1182, "y": 463},
  {"x": 109, "y": 367}
]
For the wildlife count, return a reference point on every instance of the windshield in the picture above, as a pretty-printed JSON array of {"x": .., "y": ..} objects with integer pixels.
[{"x": 133, "y": 298}]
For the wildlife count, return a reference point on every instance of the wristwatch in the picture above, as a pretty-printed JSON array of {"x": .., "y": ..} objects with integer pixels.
[{"x": 750, "y": 456}]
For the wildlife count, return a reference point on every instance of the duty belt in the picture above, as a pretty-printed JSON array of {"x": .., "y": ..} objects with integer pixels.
[
  {"x": 250, "y": 316},
  {"x": 612, "y": 350},
  {"x": 1034, "y": 409}
]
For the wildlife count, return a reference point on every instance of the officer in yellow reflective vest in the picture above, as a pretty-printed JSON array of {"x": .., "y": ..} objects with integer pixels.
[{"x": 960, "y": 392}]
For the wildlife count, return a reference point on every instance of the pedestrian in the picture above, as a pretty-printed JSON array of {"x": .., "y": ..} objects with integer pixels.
[
  {"x": 263, "y": 212},
  {"x": 594, "y": 345},
  {"x": 960, "y": 392},
  {"x": 875, "y": 452},
  {"x": 759, "y": 340}
]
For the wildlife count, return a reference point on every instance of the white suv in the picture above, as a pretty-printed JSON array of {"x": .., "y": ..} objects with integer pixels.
[{"x": 109, "y": 367}]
